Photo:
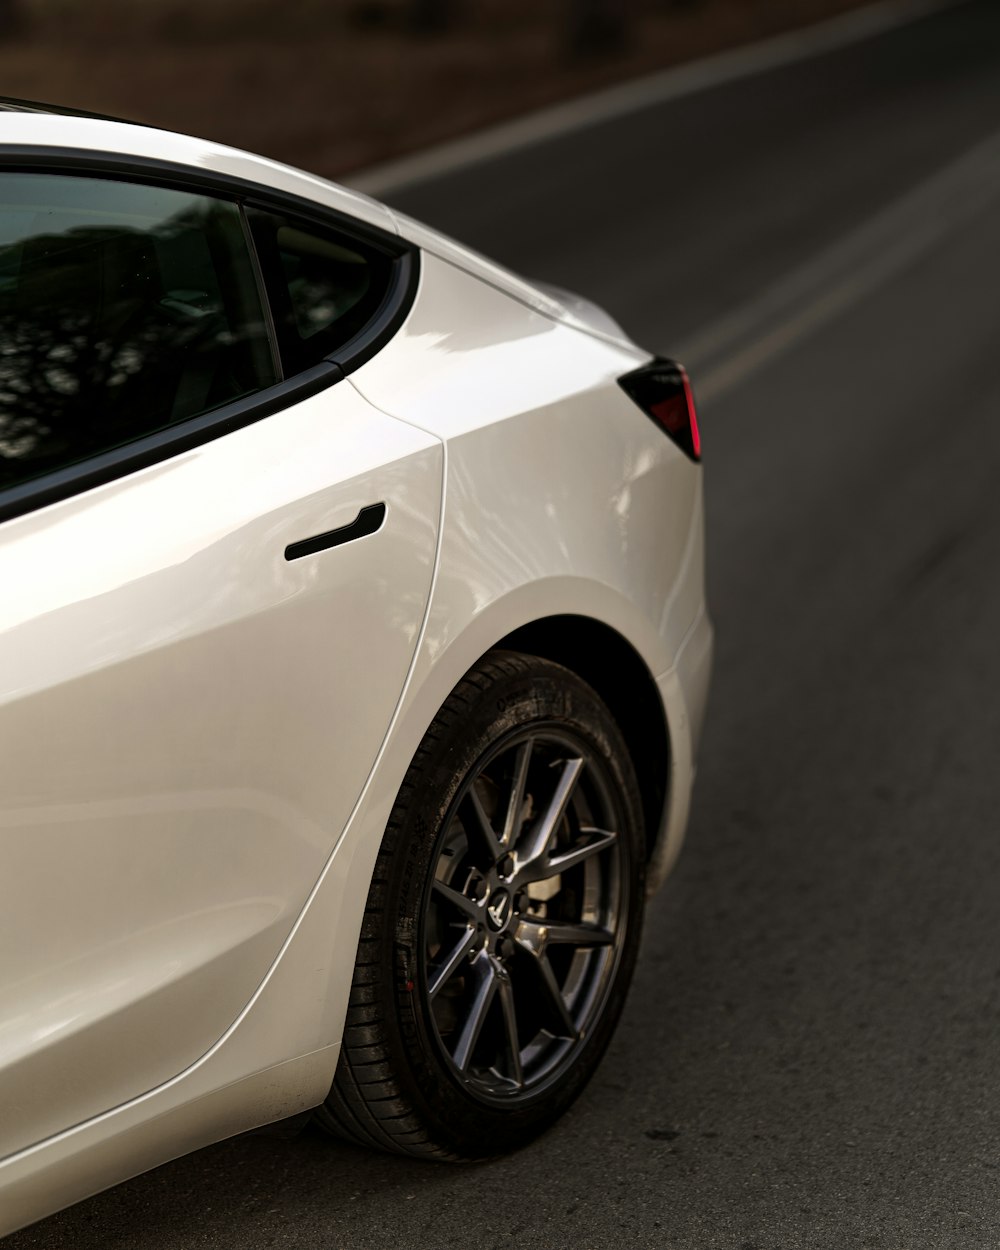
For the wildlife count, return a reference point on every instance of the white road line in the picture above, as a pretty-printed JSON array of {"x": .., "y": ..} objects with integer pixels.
[
  {"x": 613, "y": 102},
  {"x": 730, "y": 350}
]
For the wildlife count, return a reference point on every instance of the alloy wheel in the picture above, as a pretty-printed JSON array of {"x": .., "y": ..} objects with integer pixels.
[{"x": 525, "y": 914}]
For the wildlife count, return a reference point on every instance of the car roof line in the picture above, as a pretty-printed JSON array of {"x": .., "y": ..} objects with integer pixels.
[{"x": 13, "y": 104}]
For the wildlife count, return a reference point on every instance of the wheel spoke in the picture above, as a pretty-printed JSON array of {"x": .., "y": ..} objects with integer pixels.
[
  {"x": 506, "y": 990},
  {"x": 467, "y": 906},
  {"x": 548, "y": 979},
  {"x": 478, "y": 828},
  {"x": 539, "y": 933},
  {"x": 598, "y": 840},
  {"x": 537, "y": 840},
  {"x": 515, "y": 800},
  {"x": 444, "y": 971},
  {"x": 472, "y": 1026}
]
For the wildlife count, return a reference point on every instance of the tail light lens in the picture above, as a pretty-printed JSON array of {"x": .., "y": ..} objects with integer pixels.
[{"x": 663, "y": 392}]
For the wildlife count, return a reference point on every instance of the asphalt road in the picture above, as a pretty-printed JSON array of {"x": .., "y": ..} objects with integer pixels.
[{"x": 810, "y": 1057}]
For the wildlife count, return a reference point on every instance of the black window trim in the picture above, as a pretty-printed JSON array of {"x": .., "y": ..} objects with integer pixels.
[
  {"x": 262, "y": 293},
  {"x": 162, "y": 444}
]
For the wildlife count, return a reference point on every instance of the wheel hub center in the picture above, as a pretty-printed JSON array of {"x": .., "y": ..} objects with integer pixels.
[{"x": 499, "y": 909}]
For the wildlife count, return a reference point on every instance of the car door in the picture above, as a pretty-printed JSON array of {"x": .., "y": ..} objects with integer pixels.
[{"x": 215, "y": 560}]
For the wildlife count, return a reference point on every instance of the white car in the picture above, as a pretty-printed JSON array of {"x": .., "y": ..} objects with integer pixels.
[{"x": 353, "y": 658}]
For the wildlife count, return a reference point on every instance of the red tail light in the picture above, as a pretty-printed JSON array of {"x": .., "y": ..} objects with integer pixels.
[{"x": 663, "y": 392}]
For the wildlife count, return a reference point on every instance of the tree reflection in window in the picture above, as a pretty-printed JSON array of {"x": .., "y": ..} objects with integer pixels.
[{"x": 124, "y": 309}]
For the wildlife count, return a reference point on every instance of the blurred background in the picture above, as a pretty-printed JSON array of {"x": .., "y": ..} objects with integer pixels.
[{"x": 333, "y": 85}]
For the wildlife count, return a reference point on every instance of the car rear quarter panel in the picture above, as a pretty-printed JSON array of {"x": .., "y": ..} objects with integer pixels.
[{"x": 561, "y": 496}]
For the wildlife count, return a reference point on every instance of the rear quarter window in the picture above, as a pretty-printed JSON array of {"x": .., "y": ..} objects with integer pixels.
[{"x": 325, "y": 287}]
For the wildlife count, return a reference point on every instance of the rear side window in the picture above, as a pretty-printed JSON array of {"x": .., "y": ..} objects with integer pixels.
[
  {"x": 325, "y": 288},
  {"x": 124, "y": 309}
]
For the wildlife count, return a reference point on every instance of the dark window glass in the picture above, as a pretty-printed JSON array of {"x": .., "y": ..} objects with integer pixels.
[
  {"x": 124, "y": 309},
  {"x": 324, "y": 287}
]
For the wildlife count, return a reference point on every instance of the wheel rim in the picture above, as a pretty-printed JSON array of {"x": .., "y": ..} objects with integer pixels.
[{"x": 524, "y": 916}]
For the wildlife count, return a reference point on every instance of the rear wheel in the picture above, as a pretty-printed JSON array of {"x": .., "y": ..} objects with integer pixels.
[{"x": 502, "y": 922}]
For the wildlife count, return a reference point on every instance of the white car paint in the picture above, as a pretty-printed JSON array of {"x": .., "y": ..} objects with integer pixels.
[
  {"x": 160, "y": 672},
  {"x": 199, "y": 891}
]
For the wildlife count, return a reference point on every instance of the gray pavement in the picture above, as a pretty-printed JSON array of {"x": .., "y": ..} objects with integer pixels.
[{"x": 810, "y": 1057}]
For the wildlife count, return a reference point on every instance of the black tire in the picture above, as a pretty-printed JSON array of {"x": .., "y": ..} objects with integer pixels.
[{"x": 455, "y": 920}]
